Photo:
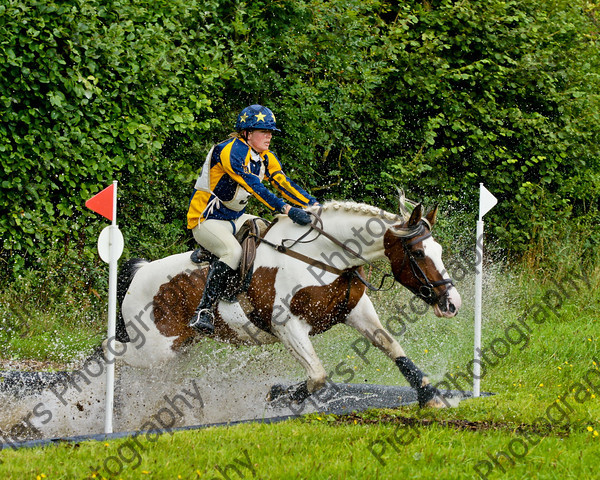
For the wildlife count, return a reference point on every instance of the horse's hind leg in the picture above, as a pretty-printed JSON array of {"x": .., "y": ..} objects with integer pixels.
[
  {"x": 294, "y": 335},
  {"x": 364, "y": 318}
]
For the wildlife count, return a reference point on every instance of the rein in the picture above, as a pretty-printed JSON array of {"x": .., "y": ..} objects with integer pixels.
[
  {"x": 426, "y": 289},
  {"x": 286, "y": 250},
  {"x": 345, "y": 248}
]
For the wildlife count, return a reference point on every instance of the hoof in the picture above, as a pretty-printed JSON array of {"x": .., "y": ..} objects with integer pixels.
[
  {"x": 292, "y": 394},
  {"x": 431, "y": 397},
  {"x": 446, "y": 400},
  {"x": 277, "y": 391}
]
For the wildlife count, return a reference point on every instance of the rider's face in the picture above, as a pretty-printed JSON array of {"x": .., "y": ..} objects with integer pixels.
[{"x": 259, "y": 140}]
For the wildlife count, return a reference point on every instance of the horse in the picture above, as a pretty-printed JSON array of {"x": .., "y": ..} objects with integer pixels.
[{"x": 305, "y": 280}]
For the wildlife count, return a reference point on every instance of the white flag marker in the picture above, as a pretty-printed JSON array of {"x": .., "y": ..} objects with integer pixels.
[{"x": 486, "y": 203}]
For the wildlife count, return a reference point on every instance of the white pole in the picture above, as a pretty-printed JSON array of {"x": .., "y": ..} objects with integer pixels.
[
  {"x": 112, "y": 315},
  {"x": 478, "y": 294},
  {"x": 486, "y": 202}
]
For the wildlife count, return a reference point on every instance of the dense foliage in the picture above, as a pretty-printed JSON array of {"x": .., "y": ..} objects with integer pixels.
[{"x": 435, "y": 96}]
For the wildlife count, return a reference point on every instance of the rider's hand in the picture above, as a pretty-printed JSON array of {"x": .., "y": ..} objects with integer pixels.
[{"x": 299, "y": 216}]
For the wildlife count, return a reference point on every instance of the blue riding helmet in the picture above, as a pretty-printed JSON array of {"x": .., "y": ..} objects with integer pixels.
[{"x": 256, "y": 117}]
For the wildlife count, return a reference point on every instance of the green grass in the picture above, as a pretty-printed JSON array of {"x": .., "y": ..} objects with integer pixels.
[
  {"x": 54, "y": 316},
  {"x": 536, "y": 380},
  {"x": 320, "y": 447},
  {"x": 47, "y": 336}
]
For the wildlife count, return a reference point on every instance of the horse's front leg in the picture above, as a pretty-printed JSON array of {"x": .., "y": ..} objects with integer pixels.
[
  {"x": 294, "y": 335},
  {"x": 364, "y": 318}
]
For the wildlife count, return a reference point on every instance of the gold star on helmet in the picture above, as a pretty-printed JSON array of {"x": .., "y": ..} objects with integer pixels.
[
  {"x": 260, "y": 117},
  {"x": 244, "y": 117}
]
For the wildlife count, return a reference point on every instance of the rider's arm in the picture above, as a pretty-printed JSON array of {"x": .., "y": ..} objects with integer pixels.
[{"x": 288, "y": 188}]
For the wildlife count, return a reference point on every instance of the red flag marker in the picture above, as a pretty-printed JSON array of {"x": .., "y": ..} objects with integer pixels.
[
  {"x": 110, "y": 248},
  {"x": 102, "y": 202}
]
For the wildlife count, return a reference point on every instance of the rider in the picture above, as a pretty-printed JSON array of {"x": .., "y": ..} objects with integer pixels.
[{"x": 234, "y": 169}]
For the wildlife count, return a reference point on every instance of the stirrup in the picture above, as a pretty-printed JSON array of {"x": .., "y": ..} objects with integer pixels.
[{"x": 203, "y": 321}]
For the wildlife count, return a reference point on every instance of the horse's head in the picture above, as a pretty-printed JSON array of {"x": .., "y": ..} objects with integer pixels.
[{"x": 416, "y": 260}]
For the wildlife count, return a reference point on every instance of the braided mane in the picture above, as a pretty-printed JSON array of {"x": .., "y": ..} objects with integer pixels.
[{"x": 359, "y": 208}]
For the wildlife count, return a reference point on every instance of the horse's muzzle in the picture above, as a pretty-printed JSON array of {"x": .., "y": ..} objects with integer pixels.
[{"x": 449, "y": 304}]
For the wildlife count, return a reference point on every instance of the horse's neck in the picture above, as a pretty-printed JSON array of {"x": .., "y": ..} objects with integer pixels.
[{"x": 362, "y": 234}]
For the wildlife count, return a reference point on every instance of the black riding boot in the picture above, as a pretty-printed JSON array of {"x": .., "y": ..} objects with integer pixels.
[{"x": 216, "y": 286}]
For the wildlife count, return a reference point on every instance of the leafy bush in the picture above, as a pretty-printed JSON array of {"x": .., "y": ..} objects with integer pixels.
[{"x": 435, "y": 96}]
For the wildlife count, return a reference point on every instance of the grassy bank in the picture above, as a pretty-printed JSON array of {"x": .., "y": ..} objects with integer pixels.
[{"x": 56, "y": 313}]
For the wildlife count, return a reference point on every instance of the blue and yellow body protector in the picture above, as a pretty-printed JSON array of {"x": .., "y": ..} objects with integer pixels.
[{"x": 234, "y": 166}]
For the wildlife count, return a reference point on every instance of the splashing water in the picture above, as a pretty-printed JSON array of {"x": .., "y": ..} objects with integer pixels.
[
  {"x": 216, "y": 383},
  {"x": 225, "y": 385}
]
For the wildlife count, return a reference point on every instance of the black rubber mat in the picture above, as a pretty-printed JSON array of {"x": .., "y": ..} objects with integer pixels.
[{"x": 335, "y": 398}]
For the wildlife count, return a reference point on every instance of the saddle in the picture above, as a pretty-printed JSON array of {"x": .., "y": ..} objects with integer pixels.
[{"x": 248, "y": 237}]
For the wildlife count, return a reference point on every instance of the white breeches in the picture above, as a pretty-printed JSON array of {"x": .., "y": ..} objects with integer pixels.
[{"x": 217, "y": 236}]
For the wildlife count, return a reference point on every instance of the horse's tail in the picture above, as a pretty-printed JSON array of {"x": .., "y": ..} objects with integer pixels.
[{"x": 124, "y": 279}]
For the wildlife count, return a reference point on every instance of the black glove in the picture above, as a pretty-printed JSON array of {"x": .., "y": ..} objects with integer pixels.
[{"x": 299, "y": 216}]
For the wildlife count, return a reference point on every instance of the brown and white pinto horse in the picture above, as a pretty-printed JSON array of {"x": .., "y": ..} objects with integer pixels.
[{"x": 291, "y": 297}]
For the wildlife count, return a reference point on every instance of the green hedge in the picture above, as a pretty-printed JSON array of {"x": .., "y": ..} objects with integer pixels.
[
  {"x": 435, "y": 96},
  {"x": 89, "y": 91}
]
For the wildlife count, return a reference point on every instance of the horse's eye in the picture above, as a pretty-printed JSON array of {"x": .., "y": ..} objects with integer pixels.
[{"x": 418, "y": 254}]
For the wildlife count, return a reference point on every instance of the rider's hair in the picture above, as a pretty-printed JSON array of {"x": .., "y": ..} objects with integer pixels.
[{"x": 243, "y": 134}]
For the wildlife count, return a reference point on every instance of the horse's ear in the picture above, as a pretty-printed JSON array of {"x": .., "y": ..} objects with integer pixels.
[
  {"x": 416, "y": 215},
  {"x": 431, "y": 217},
  {"x": 404, "y": 212}
]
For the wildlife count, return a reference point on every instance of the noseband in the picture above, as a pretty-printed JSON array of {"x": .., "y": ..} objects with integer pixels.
[{"x": 426, "y": 289}]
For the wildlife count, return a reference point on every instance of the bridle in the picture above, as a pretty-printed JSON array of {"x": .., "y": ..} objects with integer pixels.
[{"x": 425, "y": 290}]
